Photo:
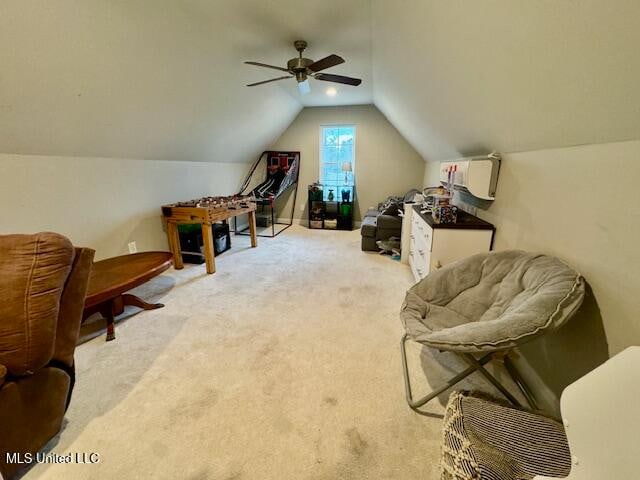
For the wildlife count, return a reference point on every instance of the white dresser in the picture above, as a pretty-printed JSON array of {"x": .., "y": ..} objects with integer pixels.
[{"x": 432, "y": 245}]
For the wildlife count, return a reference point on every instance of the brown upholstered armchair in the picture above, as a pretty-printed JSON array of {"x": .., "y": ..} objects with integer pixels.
[{"x": 43, "y": 283}]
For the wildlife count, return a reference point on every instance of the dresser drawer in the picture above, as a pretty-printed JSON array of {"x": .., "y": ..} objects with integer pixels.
[
  {"x": 417, "y": 275},
  {"x": 421, "y": 232},
  {"x": 419, "y": 262},
  {"x": 419, "y": 245}
]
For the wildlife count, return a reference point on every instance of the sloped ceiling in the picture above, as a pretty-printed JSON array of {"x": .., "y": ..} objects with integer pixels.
[
  {"x": 165, "y": 79},
  {"x": 461, "y": 77}
]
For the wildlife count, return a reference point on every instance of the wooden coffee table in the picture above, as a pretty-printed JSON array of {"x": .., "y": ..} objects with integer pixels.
[{"x": 111, "y": 278}]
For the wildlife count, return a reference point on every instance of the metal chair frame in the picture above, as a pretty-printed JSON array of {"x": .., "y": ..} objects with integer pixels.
[{"x": 475, "y": 365}]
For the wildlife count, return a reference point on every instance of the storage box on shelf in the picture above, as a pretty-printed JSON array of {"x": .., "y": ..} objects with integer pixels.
[
  {"x": 432, "y": 245},
  {"x": 192, "y": 245}
]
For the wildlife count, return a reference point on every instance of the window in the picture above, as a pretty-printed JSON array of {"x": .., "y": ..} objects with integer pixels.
[{"x": 337, "y": 155}]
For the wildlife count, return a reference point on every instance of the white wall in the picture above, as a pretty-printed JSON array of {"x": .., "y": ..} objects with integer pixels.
[
  {"x": 582, "y": 205},
  {"x": 385, "y": 163},
  {"x": 104, "y": 203}
]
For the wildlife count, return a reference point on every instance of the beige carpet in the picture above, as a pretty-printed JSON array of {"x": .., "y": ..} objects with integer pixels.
[{"x": 285, "y": 364}]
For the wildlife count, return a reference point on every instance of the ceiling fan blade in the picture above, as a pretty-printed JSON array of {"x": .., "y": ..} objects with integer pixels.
[
  {"x": 269, "y": 81},
  {"x": 258, "y": 64},
  {"x": 326, "y": 62},
  {"x": 304, "y": 87},
  {"x": 327, "y": 77}
]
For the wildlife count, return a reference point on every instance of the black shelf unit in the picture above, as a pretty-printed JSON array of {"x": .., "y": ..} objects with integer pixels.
[{"x": 330, "y": 210}]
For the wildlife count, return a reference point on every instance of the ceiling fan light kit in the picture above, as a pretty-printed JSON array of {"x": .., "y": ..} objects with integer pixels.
[
  {"x": 302, "y": 69},
  {"x": 304, "y": 87}
]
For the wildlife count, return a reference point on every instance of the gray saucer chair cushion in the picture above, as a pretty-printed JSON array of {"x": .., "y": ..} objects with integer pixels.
[{"x": 492, "y": 301}]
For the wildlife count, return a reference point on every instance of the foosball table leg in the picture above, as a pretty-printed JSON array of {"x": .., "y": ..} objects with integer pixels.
[
  {"x": 209, "y": 255},
  {"x": 252, "y": 228},
  {"x": 174, "y": 245}
]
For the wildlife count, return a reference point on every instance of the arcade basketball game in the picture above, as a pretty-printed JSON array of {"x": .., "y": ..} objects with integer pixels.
[{"x": 272, "y": 176}]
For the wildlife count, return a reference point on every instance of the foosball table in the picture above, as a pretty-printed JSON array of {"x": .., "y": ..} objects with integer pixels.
[{"x": 206, "y": 211}]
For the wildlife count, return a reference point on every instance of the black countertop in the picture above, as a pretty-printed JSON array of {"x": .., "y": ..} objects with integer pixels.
[{"x": 465, "y": 221}]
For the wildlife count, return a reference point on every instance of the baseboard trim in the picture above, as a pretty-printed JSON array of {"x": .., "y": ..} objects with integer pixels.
[{"x": 297, "y": 221}]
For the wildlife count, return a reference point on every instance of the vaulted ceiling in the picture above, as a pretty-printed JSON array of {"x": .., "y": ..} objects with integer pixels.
[{"x": 164, "y": 79}]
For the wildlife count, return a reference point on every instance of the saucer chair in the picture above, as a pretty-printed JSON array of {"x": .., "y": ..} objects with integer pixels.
[{"x": 483, "y": 306}]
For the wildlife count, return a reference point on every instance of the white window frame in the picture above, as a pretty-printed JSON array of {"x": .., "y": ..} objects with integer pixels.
[{"x": 321, "y": 144}]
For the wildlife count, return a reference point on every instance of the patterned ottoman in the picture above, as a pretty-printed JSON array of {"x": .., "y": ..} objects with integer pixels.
[{"x": 485, "y": 440}]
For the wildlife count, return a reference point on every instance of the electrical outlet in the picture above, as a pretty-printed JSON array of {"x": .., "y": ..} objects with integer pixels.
[{"x": 132, "y": 247}]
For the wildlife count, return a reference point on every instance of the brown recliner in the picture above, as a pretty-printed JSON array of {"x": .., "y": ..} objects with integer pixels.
[{"x": 43, "y": 284}]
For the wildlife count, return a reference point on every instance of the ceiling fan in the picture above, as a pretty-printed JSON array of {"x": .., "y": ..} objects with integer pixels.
[{"x": 303, "y": 68}]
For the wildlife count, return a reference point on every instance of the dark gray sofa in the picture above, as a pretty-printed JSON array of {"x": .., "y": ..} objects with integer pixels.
[{"x": 383, "y": 223}]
